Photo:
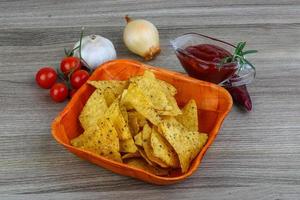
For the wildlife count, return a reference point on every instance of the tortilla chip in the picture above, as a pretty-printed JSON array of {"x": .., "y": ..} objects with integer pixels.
[
  {"x": 153, "y": 91},
  {"x": 143, "y": 154},
  {"x": 131, "y": 155},
  {"x": 138, "y": 139},
  {"x": 116, "y": 86},
  {"x": 136, "y": 121},
  {"x": 163, "y": 101},
  {"x": 163, "y": 150},
  {"x": 114, "y": 114},
  {"x": 93, "y": 110},
  {"x": 124, "y": 112},
  {"x": 174, "y": 111},
  {"x": 84, "y": 137},
  {"x": 146, "y": 134},
  {"x": 111, "y": 89},
  {"x": 104, "y": 141},
  {"x": 135, "y": 98},
  {"x": 142, "y": 164},
  {"x": 128, "y": 146},
  {"x": 185, "y": 143},
  {"x": 189, "y": 116},
  {"x": 167, "y": 87},
  {"x": 133, "y": 124}
]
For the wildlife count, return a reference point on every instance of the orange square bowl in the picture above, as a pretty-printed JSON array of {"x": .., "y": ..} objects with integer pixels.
[{"x": 213, "y": 103}]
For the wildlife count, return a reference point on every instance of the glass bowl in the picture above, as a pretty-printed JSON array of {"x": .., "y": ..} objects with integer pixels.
[{"x": 210, "y": 71}]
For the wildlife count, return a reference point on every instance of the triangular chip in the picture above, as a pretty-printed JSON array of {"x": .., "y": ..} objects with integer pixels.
[
  {"x": 116, "y": 86},
  {"x": 133, "y": 124},
  {"x": 136, "y": 121},
  {"x": 146, "y": 134},
  {"x": 186, "y": 144},
  {"x": 138, "y": 139},
  {"x": 189, "y": 116},
  {"x": 124, "y": 112},
  {"x": 111, "y": 89},
  {"x": 84, "y": 137},
  {"x": 174, "y": 111},
  {"x": 167, "y": 87},
  {"x": 115, "y": 115},
  {"x": 153, "y": 91},
  {"x": 163, "y": 101},
  {"x": 128, "y": 146},
  {"x": 163, "y": 150},
  {"x": 142, "y": 164},
  {"x": 131, "y": 155},
  {"x": 93, "y": 110},
  {"x": 104, "y": 141},
  {"x": 135, "y": 98},
  {"x": 143, "y": 154}
]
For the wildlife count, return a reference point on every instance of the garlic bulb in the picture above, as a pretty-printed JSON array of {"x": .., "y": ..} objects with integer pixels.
[
  {"x": 142, "y": 38},
  {"x": 95, "y": 50}
]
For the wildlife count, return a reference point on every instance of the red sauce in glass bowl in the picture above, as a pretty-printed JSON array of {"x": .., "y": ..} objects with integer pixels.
[{"x": 201, "y": 62}]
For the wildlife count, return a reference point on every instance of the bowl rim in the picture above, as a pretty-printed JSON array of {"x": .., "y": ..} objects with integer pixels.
[
  {"x": 191, "y": 34},
  {"x": 197, "y": 159}
]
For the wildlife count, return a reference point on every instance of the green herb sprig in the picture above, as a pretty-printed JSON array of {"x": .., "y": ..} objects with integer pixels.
[{"x": 239, "y": 57}]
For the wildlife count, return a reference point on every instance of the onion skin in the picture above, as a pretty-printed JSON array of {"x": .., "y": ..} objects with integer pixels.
[{"x": 142, "y": 38}]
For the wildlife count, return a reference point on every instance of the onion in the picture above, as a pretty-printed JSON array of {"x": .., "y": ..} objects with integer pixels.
[
  {"x": 95, "y": 50},
  {"x": 142, "y": 38}
]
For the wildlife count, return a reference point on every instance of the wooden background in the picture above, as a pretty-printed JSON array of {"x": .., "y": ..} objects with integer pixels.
[{"x": 255, "y": 156}]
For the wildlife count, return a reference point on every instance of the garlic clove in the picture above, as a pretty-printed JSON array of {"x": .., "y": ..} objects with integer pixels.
[
  {"x": 95, "y": 50},
  {"x": 142, "y": 38}
]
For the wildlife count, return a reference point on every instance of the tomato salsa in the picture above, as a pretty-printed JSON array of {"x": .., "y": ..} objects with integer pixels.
[{"x": 202, "y": 62}]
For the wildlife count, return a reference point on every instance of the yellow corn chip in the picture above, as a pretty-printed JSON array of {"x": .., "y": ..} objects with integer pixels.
[
  {"x": 185, "y": 143},
  {"x": 143, "y": 154},
  {"x": 131, "y": 155},
  {"x": 189, "y": 116},
  {"x": 135, "y": 98},
  {"x": 128, "y": 146},
  {"x": 142, "y": 164},
  {"x": 153, "y": 91},
  {"x": 111, "y": 89},
  {"x": 174, "y": 111},
  {"x": 133, "y": 124},
  {"x": 163, "y": 101},
  {"x": 167, "y": 87},
  {"x": 138, "y": 139},
  {"x": 104, "y": 141},
  {"x": 124, "y": 113},
  {"x": 116, "y": 86},
  {"x": 146, "y": 134},
  {"x": 163, "y": 150},
  {"x": 114, "y": 114},
  {"x": 93, "y": 110},
  {"x": 136, "y": 121},
  {"x": 84, "y": 137}
]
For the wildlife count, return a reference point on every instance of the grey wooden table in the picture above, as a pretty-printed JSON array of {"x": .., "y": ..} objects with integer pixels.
[{"x": 255, "y": 156}]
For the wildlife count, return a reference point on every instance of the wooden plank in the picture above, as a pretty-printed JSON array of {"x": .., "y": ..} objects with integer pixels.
[{"x": 255, "y": 156}]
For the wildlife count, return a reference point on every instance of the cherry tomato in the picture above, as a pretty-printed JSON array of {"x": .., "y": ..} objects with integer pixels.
[
  {"x": 72, "y": 92},
  {"x": 69, "y": 64},
  {"x": 59, "y": 92},
  {"x": 78, "y": 78},
  {"x": 46, "y": 77}
]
